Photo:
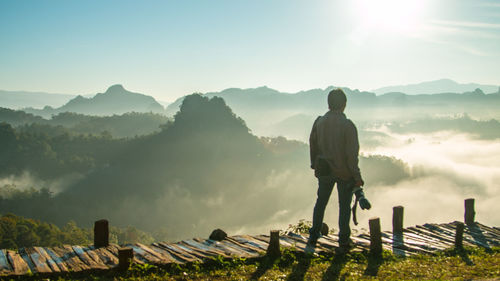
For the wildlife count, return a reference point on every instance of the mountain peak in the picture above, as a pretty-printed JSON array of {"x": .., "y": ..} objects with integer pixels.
[
  {"x": 117, "y": 88},
  {"x": 116, "y": 100},
  {"x": 478, "y": 91},
  {"x": 444, "y": 80}
]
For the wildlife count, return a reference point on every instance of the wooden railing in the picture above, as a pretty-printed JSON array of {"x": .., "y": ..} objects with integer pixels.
[
  {"x": 102, "y": 255},
  {"x": 125, "y": 254}
]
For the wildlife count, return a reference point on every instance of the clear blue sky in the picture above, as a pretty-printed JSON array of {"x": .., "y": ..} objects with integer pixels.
[{"x": 171, "y": 48}]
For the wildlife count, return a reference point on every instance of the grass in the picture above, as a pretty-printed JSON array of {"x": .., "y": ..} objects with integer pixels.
[{"x": 469, "y": 263}]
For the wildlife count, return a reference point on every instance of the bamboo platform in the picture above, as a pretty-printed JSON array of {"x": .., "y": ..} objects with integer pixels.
[{"x": 427, "y": 238}]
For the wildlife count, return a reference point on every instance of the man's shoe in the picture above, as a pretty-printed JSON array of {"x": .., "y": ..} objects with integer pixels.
[
  {"x": 312, "y": 240},
  {"x": 344, "y": 248},
  {"x": 311, "y": 245},
  {"x": 310, "y": 249}
]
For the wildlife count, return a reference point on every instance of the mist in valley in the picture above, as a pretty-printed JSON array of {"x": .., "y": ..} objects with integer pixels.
[
  {"x": 427, "y": 165},
  {"x": 245, "y": 169},
  {"x": 439, "y": 159}
]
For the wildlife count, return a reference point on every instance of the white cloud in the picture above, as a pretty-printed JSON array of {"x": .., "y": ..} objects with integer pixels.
[
  {"x": 26, "y": 181},
  {"x": 452, "y": 167},
  {"x": 466, "y": 24}
]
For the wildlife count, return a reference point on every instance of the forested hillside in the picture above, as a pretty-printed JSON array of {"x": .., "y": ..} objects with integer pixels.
[
  {"x": 17, "y": 232},
  {"x": 203, "y": 170},
  {"x": 126, "y": 125}
]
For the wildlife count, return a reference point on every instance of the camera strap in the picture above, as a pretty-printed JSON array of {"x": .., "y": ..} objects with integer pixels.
[{"x": 354, "y": 208}]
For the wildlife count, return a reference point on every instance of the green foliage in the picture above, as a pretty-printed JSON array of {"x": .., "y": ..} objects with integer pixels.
[
  {"x": 53, "y": 154},
  {"x": 18, "y": 117},
  {"x": 136, "y": 269},
  {"x": 302, "y": 227},
  {"x": 288, "y": 257},
  {"x": 119, "y": 126},
  {"x": 125, "y": 125},
  {"x": 294, "y": 265},
  {"x": 129, "y": 235},
  {"x": 17, "y": 232}
]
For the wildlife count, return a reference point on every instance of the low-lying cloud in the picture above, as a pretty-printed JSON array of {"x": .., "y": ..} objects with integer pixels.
[
  {"x": 430, "y": 174},
  {"x": 26, "y": 181},
  {"x": 445, "y": 169}
]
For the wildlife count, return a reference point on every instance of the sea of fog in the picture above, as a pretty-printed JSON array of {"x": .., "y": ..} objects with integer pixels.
[{"x": 445, "y": 168}]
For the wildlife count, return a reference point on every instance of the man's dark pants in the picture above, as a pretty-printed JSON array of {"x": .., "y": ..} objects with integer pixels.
[{"x": 325, "y": 188}]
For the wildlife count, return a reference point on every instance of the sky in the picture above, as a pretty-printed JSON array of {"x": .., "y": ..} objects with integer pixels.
[{"x": 168, "y": 49}]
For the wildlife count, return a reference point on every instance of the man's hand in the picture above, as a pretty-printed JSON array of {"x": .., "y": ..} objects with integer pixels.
[
  {"x": 363, "y": 202},
  {"x": 359, "y": 183}
]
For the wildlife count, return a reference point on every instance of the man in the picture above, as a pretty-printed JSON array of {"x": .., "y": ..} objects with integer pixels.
[{"x": 334, "y": 149}]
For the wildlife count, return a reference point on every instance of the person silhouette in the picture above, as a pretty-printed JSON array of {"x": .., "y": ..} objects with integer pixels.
[{"x": 334, "y": 150}]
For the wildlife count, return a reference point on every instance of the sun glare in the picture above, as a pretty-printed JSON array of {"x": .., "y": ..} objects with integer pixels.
[{"x": 389, "y": 15}]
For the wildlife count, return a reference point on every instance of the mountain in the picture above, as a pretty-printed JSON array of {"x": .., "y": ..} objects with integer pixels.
[
  {"x": 129, "y": 124},
  {"x": 256, "y": 103},
  {"x": 268, "y": 112},
  {"x": 264, "y": 102},
  {"x": 261, "y": 107},
  {"x": 435, "y": 87},
  {"x": 116, "y": 100},
  {"x": 206, "y": 169},
  {"x": 19, "y": 117},
  {"x": 23, "y": 99},
  {"x": 295, "y": 127}
]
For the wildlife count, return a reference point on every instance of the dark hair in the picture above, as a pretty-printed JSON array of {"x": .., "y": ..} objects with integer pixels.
[{"x": 336, "y": 99}]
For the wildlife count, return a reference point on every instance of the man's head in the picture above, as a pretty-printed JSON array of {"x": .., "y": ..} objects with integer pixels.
[{"x": 337, "y": 99}]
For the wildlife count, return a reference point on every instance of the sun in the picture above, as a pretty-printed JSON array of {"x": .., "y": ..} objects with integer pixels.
[{"x": 389, "y": 15}]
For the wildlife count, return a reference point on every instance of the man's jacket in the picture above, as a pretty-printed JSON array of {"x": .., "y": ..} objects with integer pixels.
[{"x": 335, "y": 138}]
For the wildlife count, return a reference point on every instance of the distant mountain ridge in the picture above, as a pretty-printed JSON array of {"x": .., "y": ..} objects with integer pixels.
[
  {"x": 264, "y": 109},
  {"x": 118, "y": 104},
  {"x": 23, "y": 99},
  {"x": 269, "y": 112},
  {"x": 436, "y": 87},
  {"x": 263, "y": 98},
  {"x": 116, "y": 100},
  {"x": 314, "y": 100}
]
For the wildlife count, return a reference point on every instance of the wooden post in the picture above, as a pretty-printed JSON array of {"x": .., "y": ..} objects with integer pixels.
[
  {"x": 375, "y": 236},
  {"x": 459, "y": 236},
  {"x": 125, "y": 257},
  {"x": 273, "y": 250},
  {"x": 469, "y": 211},
  {"x": 101, "y": 233},
  {"x": 397, "y": 219}
]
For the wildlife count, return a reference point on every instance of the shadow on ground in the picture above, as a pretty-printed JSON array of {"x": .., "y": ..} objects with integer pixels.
[
  {"x": 374, "y": 263},
  {"x": 333, "y": 271},
  {"x": 299, "y": 270},
  {"x": 264, "y": 266}
]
